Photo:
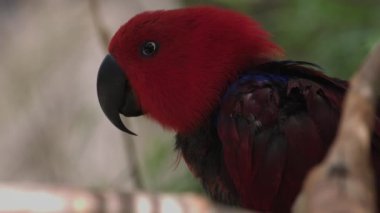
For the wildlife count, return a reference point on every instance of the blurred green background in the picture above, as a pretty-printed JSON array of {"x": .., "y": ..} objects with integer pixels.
[
  {"x": 335, "y": 34},
  {"x": 51, "y": 127}
]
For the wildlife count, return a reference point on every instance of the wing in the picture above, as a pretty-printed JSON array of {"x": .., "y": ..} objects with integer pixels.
[{"x": 275, "y": 123}]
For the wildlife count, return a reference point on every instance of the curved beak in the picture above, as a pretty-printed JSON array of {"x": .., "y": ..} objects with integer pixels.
[{"x": 115, "y": 94}]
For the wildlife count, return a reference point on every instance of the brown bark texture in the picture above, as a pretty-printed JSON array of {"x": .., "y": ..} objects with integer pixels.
[{"x": 344, "y": 181}]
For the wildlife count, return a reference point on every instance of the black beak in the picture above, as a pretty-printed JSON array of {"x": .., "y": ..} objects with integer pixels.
[{"x": 115, "y": 94}]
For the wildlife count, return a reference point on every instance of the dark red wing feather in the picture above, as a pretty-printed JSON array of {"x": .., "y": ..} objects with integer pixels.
[{"x": 274, "y": 124}]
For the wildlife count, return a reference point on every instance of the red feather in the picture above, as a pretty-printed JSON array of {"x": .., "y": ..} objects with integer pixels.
[{"x": 197, "y": 47}]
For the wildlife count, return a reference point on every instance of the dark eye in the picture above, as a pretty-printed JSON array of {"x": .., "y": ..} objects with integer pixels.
[{"x": 149, "y": 48}]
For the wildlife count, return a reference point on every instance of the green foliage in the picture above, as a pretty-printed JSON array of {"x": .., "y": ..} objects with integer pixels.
[
  {"x": 241, "y": 5},
  {"x": 336, "y": 34},
  {"x": 164, "y": 172}
]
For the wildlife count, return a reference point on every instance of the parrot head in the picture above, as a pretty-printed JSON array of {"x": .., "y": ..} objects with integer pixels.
[{"x": 174, "y": 65}]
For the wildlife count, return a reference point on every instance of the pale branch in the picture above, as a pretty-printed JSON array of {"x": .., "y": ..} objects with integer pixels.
[
  {"x": 344, "y": 181},
  {"x": 100, "y": 27},
  {"x": 42, "y": 198},
  {"x": 134, "y": 172},
  {"x": 129, "y": 145}
]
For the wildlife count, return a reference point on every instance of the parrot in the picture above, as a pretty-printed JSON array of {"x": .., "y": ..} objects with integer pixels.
[{"x": 249, "y": 123}]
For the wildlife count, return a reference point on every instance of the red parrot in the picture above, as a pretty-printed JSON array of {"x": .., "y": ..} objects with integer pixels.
[{"x": 249, "y": 124}]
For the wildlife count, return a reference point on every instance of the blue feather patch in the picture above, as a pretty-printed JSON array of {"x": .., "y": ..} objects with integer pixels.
[
  {"x": 253, "y": 76},
  {"x": 258, "y": 77}
]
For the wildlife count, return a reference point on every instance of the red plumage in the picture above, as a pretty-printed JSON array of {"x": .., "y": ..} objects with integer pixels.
[
  {"x": 249, "y": 127},
  {"x": 197, "y": 47},
  {"x": 276, "y": 123}
]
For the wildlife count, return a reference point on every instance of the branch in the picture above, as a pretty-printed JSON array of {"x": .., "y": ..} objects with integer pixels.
[
  {"x": 129, "y": 143},
  {"x": 344, "y": 181},
  {"x": 100, "y": 27},
  {"x": 40, "y": 198}
]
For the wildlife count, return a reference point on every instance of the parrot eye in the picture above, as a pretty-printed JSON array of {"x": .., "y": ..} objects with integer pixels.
[{"x": 149, "y": 48}]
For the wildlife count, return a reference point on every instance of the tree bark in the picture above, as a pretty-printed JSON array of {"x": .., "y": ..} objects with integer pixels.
[{"x": 344, "y": 181}]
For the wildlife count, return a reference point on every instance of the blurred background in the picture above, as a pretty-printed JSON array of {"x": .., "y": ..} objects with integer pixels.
[{"x": 52, "y": 129}]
